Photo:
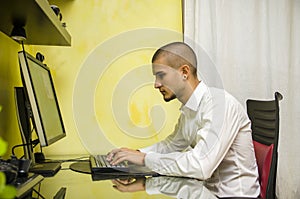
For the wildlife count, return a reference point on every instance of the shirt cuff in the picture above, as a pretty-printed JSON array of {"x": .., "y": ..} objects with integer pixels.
[{"x": 150, "y": 159}]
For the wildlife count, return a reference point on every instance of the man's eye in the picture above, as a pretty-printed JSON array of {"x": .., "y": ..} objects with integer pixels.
[{"x": 160, "y": 75}]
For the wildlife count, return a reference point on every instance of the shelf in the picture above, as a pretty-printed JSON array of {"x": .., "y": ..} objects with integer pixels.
[
  {"x": 42, "y": 25},
  {"x": 27, "y": 184}
]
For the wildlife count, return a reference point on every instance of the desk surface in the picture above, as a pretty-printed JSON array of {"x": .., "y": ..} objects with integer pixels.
[{"x": 80, "y": 185}]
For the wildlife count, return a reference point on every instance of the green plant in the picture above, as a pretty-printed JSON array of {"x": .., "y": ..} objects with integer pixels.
[{"x": 6, "y": 191}]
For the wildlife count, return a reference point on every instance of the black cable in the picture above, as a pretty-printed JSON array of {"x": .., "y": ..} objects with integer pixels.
[
  {"x": 34, "y": 143},
  {"x": 13, "y": 149},
  {"x": 39, "y": 189},
  {"x": 40, "y": 195},
  {"x": 23, "y": 46}
]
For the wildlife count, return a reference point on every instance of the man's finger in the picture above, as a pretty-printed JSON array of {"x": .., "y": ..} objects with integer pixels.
[
  {"x": 116, "y": 161},
  {"x": 111, "y": 154}
]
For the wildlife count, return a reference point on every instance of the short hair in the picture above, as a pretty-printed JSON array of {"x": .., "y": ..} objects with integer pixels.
[{"x": 177, "y": 54}]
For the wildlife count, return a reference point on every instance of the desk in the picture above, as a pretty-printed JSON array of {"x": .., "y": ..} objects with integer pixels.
[{"x": 80, "y": 185}]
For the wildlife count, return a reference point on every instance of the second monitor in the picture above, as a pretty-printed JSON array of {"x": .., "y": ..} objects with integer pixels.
[{"x": 40, "y": 105}]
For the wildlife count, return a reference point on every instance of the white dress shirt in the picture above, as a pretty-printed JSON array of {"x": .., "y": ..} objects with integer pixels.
[{"x": 212, "y": 142}]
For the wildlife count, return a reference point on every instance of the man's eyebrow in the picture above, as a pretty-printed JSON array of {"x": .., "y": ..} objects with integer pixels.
[{"x": 158, "y": 72}]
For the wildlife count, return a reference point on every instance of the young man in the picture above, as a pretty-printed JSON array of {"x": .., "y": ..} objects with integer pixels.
[{"x": 212, "y": 139}]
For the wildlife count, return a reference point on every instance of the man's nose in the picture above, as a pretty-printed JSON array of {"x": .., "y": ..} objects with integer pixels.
[{"x": 157, "y": 84}]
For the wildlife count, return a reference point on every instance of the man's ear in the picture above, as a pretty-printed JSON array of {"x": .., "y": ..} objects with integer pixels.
[{"x": 185, "y": 69}]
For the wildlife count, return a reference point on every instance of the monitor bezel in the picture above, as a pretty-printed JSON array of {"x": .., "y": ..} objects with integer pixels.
[{"x": 31, "y": 94}]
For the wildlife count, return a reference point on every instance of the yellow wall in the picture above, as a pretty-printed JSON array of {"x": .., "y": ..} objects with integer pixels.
[
  {"x": 9, "y": 77},
  {"x": 100, "y": 29}
]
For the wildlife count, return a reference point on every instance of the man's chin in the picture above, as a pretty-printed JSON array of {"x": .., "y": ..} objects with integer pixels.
[{"x": 167, "y": 99}]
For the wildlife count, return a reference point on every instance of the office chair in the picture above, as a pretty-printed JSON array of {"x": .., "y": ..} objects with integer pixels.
[{"x": 264, "y": 116}]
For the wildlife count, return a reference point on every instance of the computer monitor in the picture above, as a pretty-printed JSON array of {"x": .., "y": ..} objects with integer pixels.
[{"x": 37, "y": 101}]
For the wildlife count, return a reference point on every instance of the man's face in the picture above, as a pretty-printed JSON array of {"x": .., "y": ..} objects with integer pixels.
[{"x": 166, "y": 79}]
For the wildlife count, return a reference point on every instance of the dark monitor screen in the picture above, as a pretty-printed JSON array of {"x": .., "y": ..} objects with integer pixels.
[{"x": 41, "y": 94}]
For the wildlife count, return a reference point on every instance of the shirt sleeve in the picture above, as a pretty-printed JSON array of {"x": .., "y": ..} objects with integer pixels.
[
  {"x": 174, "y": 142},
  {"x": 219, "y": 123}
]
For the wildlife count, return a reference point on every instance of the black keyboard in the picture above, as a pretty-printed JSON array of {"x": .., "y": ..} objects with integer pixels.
[
  {"x": 100, "y": 164},
  {"x": 101, "y": 169}
]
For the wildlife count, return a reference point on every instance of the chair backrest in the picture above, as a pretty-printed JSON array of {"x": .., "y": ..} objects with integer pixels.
[
  {"x": 264, "y": 116},
  {"x": 263, "y": 154}
]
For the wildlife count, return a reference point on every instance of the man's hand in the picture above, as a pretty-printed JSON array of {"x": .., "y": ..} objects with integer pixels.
[
  {"x": 129, "y": 185},
  {"x": 124, "y": 154}
]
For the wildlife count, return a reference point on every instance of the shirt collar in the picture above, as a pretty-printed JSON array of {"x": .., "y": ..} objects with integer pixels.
[{"x": 194, "y": 101}]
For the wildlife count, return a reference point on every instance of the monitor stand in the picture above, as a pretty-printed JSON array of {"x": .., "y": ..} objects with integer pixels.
[
  {"x": 81, "y": 167},
  {"x": 46, "y": 169}
]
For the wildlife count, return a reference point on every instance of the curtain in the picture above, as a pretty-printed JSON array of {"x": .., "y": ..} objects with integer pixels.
[{"x": 252, "y": 48}]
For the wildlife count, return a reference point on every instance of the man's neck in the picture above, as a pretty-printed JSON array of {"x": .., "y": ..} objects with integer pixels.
[{"x": 189, "y": 91}]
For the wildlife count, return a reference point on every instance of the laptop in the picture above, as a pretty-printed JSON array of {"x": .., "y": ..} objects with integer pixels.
[{"x": 101, "y": 169}]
